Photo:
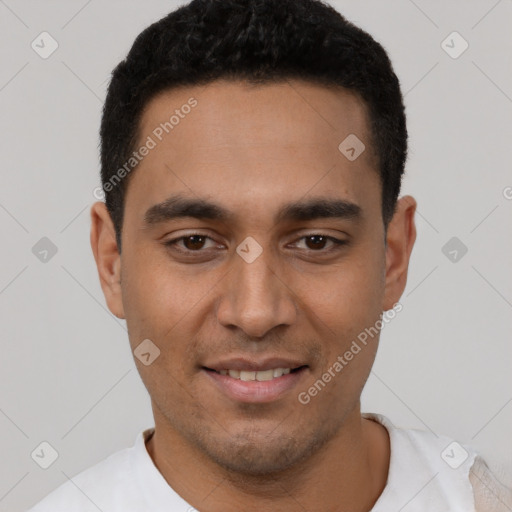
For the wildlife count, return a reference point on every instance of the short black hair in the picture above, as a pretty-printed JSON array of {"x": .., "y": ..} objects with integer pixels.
[{"x": 258, "y": 41}]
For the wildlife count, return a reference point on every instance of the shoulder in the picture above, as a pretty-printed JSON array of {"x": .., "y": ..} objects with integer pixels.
[
  {"x": 96, "y": 488},
  {"x": 433, "y": 469},
  {"x": 490, "y": 494},
  {"x": 427, "y": 447}
]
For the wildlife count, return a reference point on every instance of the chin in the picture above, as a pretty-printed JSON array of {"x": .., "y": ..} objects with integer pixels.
[{"x": 258, "y": 456}]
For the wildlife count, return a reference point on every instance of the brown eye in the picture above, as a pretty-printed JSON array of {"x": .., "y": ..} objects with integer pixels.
[
  {"x": 317, "y": 241},
  {"x": 194, "y": 242},
  {"x": 321, "y": 243}
]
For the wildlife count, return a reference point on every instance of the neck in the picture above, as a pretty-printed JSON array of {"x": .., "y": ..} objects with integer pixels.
[{"x": 347, "y": 474}]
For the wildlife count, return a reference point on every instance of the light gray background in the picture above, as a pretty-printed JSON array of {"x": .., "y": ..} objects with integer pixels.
[{"x": 66, "y": 372}]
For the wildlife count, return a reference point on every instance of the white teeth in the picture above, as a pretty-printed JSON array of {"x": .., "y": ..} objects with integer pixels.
[
  {"x": 263, "y": 375},
  {"x": 247, "y": 375}
]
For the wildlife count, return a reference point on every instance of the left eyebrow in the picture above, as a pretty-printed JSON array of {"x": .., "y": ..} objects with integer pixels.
[
  {"x": 319, "y": 208},
  {"x": 178, "y": 206}
]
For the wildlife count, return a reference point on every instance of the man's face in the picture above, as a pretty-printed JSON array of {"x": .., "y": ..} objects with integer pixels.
[{"x": 299, "y": 304}]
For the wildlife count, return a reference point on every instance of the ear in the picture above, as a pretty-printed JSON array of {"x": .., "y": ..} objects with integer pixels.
[
  {"x": 108, "y": 259},
  {"x": 400, "y": 240}
]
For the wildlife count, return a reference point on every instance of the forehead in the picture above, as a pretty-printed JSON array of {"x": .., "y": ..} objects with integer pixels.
[
  {"x": 239, "y": 113},
  {"x": 240, "y": 143}
]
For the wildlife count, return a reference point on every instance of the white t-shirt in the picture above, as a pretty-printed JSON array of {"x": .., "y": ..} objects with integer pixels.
[{"x": 426, "y": 474}]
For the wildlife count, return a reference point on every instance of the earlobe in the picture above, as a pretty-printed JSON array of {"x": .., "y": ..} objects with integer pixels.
[
  {"x": 400, "y": 240},
  {"x": 107, "y": 257}
]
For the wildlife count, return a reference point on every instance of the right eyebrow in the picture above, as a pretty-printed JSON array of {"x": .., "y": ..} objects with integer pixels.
[{"x": 178, "y": 206}]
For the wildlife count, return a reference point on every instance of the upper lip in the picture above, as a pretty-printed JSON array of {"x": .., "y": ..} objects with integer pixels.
[{"x": 253, "y": 365}]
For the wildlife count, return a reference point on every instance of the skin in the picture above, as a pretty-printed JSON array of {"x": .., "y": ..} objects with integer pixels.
[{"x": 252, "y": 149}]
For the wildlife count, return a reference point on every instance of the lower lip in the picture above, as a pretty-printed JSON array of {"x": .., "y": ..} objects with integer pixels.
[{"x": 255, "y": 391}]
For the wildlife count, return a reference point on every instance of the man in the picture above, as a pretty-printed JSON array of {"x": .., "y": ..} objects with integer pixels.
[{"x": 252, "y": 237}]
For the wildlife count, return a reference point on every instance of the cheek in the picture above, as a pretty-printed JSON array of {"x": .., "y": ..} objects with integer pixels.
[
  {"x": 156, "y": 294},
  {"x": 347, "y": 314},
  {"x": 158, "y": 304},
  {"x": 167, "y": 305},
  {"x": 349, "y": 296}
]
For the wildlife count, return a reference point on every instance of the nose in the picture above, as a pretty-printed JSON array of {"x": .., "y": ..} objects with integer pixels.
[{"x": 256, "y": 298}]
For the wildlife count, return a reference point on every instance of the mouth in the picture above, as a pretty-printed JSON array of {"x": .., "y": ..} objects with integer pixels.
[
  {"x": 256, "y": 385},
  {"x": 260, "y": 376}
]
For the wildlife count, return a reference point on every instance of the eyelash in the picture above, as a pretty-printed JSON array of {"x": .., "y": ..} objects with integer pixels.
[{"x": 172, "y": 244}]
